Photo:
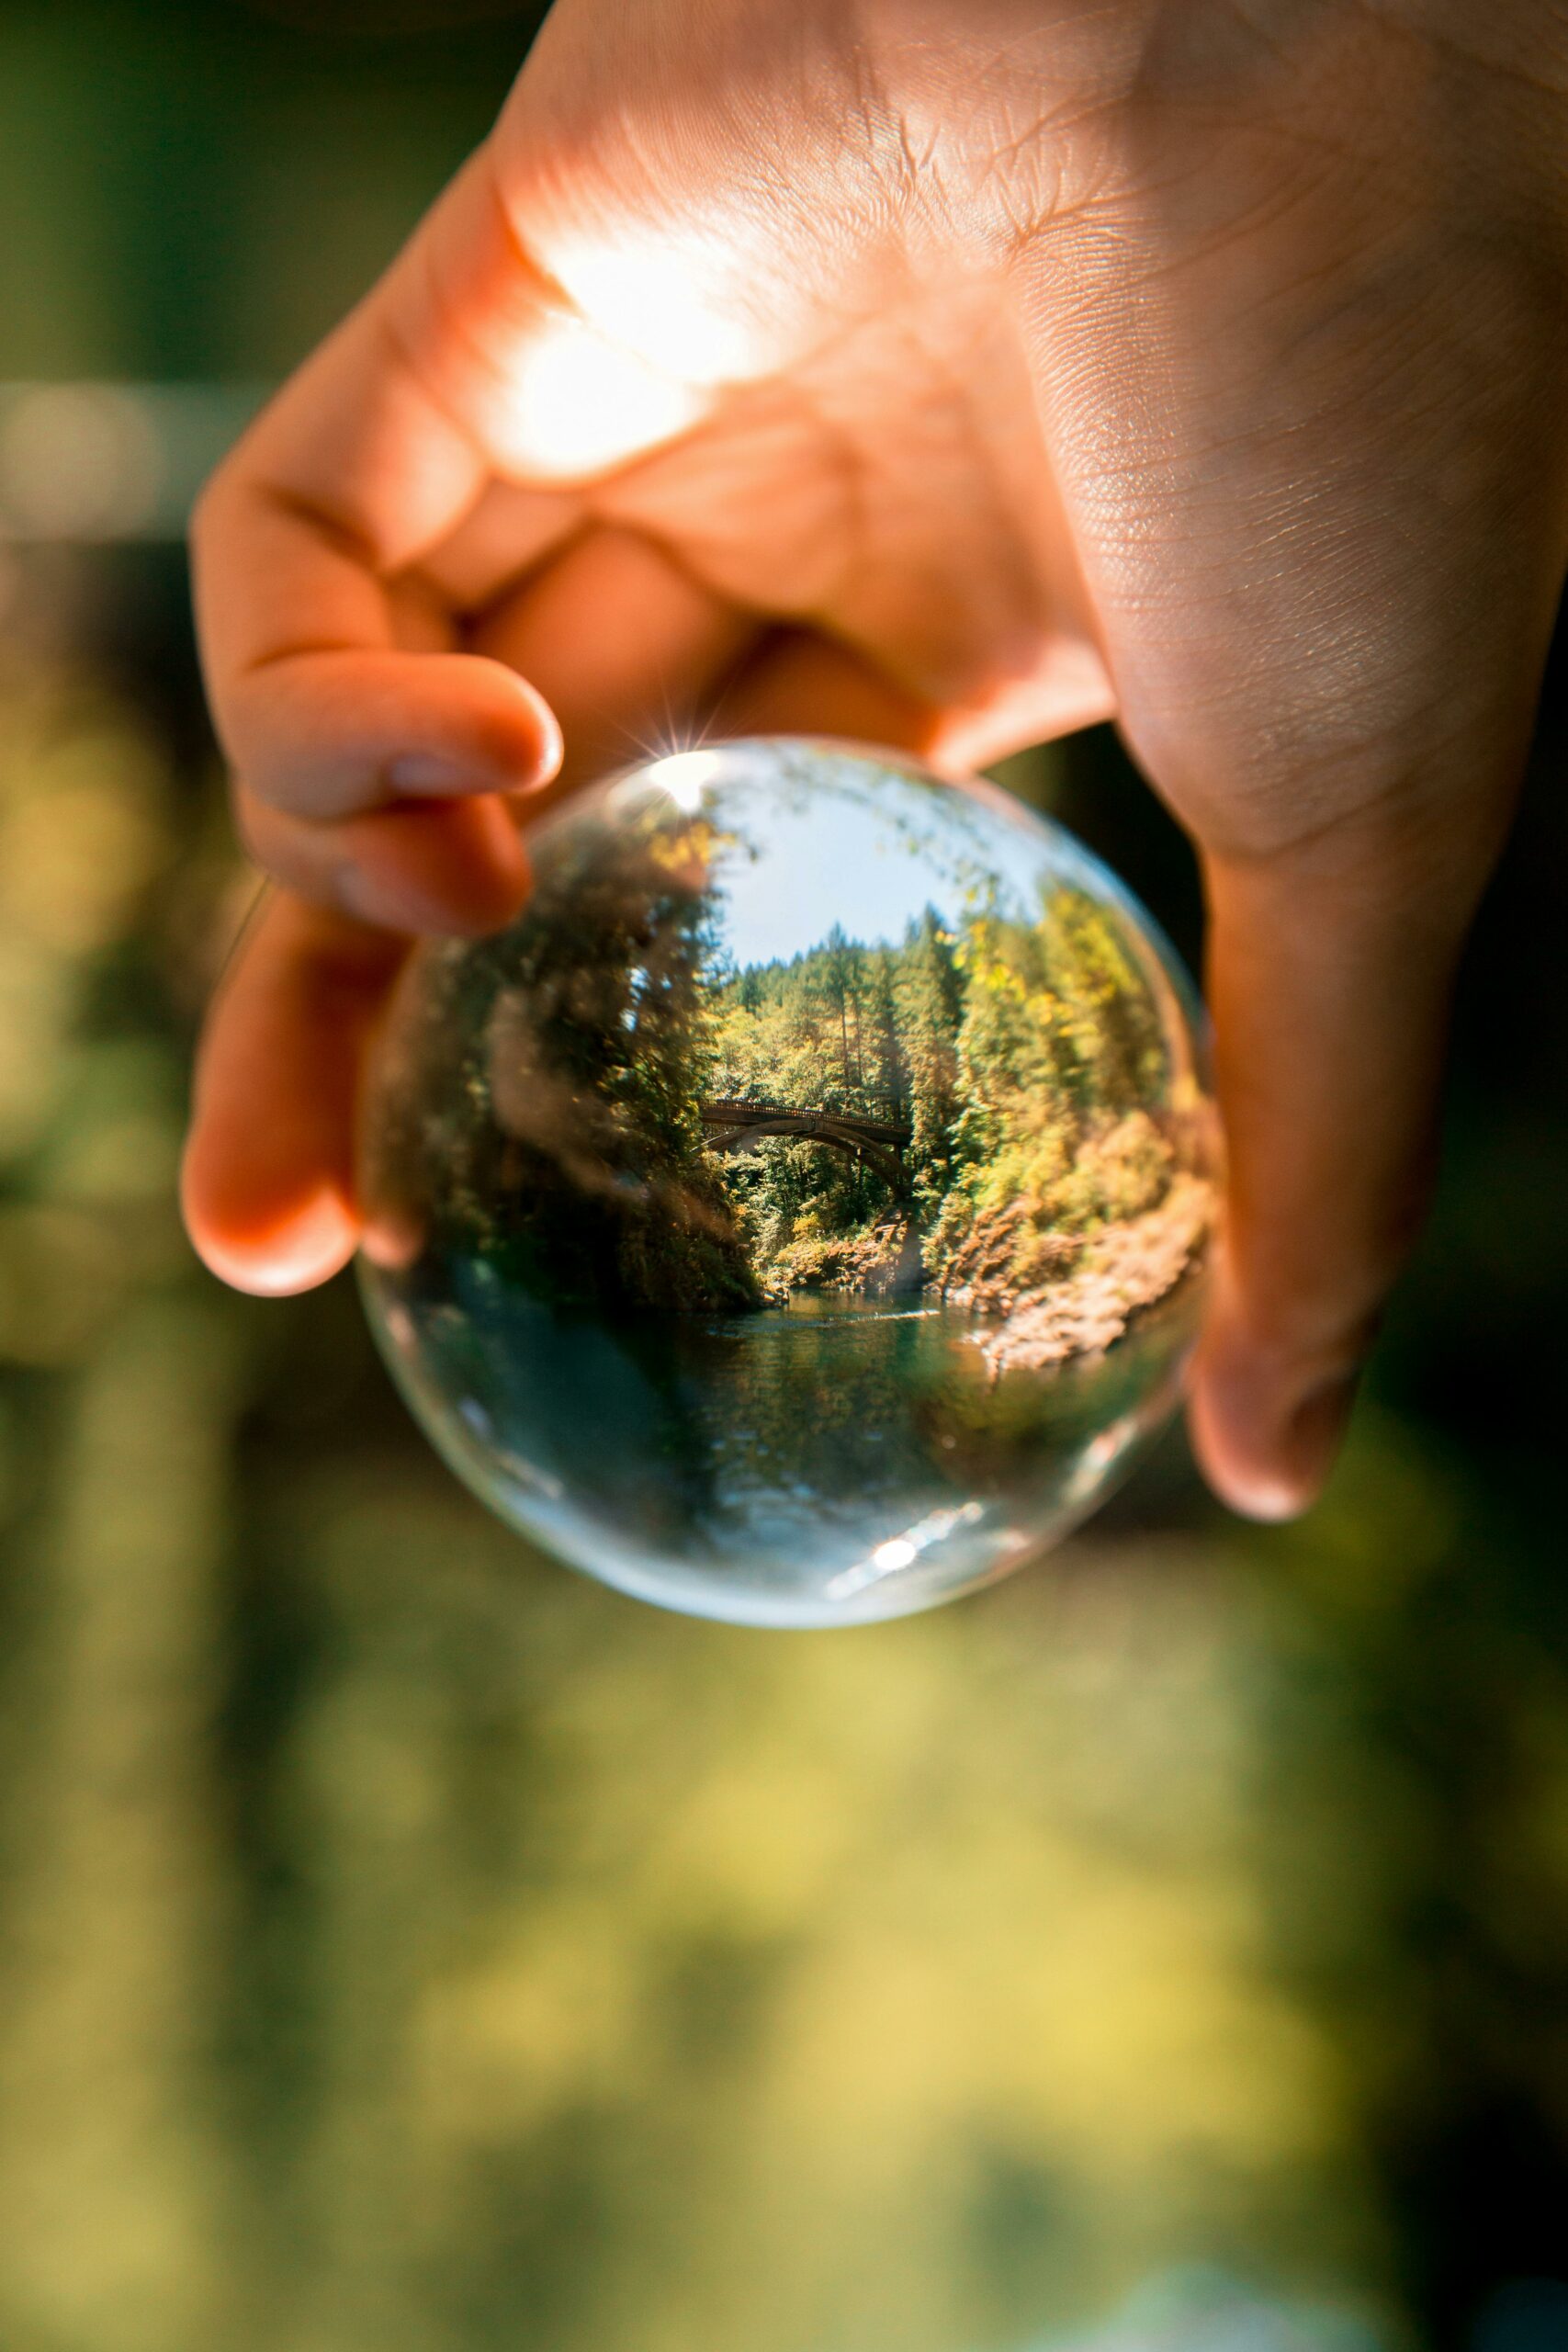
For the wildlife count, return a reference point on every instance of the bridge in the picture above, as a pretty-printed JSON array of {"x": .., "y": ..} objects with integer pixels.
[{"x": 877, "y": 1143}]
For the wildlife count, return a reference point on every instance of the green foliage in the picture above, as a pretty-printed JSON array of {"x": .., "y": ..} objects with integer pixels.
[
  {"x": 1025, "y": 1058},
  {"x": 576, "y": 1157},
  {"x": 1004, "y": 1080}
]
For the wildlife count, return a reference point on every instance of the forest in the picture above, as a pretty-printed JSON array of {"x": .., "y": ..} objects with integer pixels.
[
  {"x": 964, "y": 1113},
  {"x": 1016, "y": 1057}
]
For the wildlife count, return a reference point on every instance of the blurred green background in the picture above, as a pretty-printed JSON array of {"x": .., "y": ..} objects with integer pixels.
[{"x": 405, "y": 1944}]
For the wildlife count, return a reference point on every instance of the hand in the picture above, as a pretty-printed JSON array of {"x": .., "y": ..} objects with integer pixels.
[{"x": 952, "y": 377}]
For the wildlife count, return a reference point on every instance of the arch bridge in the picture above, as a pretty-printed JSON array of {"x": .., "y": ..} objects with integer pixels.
[{"x": 732, "y": 1126}]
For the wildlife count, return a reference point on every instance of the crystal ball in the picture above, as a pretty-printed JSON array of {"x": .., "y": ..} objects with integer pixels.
[{"x": 798, "y": 1215}]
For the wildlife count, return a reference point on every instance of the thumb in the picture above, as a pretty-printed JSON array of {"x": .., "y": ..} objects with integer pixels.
[{"x": 1331, "y": 966}]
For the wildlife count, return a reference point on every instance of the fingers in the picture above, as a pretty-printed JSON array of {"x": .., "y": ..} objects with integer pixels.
[
  {"x": 800, "y": 683},
  {"x": 327, "y": 734},
  {"x": 372, "y": 459},
  {"x": 803, "y": 684},
  {"x": 456, "y": 866},
  {"x": 301, "y": 545},
  {"x": 630, "y": 650},
  {"x": 267, "y": 1187},
  {"x": 362, "y": 463},
  {"x": 1330, "y": 972},
  {"x": 628, "y": 647}
]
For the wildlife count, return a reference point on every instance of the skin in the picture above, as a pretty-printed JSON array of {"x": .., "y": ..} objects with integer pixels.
[{"x": 949, "y": 377}]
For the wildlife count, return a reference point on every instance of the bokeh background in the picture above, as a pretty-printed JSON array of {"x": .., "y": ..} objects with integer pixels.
[{"x": 404, "y": 1944}]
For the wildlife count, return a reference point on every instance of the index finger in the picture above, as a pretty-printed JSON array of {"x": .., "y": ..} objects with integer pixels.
[{"x": 371, "y": 456}]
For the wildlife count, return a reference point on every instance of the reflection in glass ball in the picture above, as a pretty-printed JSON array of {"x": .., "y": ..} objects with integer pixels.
[{"x": 797, "y": 1214}]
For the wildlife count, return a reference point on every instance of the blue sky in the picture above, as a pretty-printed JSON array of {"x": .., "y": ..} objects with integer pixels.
[{"x": 845, "y": 862}]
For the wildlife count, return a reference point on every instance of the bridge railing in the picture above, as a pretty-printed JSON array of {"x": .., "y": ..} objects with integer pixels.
[
  {"x": 885, "y": 1108},
  {"x": 735, "y": 1112}
]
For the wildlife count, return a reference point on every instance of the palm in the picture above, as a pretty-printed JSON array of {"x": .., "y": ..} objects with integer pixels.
[
  {"x": 872, "y": 471},
  {"x": 917, "y": 430},
  {"x": 911, "y": 530}
]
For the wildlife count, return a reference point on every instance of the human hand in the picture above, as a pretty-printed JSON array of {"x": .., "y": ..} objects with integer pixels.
[{"x": 950, "y": 378}]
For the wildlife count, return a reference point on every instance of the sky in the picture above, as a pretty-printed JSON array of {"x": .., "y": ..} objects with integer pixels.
[
  {"x": 842, "y": 865},
  {"x": 844, "y": 861}
]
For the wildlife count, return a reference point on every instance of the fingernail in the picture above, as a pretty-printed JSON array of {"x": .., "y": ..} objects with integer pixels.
[
  {"x": 1264, "y": 1455},
  {"x": 427, "y": 775},
  {"x": 358, "y": 897},
  {"x": 1299, "y": 1458},
  {"x": 552, "y": 747}
]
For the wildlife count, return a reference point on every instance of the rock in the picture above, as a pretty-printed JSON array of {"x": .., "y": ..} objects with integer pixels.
[{"x": 1124, "y": 1270}]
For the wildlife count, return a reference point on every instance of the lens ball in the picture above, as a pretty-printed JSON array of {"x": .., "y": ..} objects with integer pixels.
[{"x": 798, "y": 1215}]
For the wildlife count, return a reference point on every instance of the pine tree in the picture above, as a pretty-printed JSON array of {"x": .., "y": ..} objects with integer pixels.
[{"x": 927, "y": 997}]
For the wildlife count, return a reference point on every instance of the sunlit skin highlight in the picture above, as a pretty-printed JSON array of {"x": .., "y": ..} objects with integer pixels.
[
  {"x": 949, "y": 379},
  {"x": 585, "y": 405}
]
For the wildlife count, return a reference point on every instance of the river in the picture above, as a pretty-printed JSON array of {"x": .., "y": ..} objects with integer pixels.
[{"x": 828, "y": 1461}]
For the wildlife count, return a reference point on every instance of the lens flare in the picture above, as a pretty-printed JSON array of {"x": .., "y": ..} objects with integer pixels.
[{"x": 686, "y": 776}]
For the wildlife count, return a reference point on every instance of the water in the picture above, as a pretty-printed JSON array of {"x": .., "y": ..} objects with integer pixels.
[{"x": 827, "y": 1462}]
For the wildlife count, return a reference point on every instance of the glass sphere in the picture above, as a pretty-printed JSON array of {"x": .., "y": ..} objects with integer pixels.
[{"x": 797, "y": 1215}]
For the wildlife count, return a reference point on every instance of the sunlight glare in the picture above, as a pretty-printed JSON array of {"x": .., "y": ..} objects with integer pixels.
[
  {"x": 656, "y": 301},
  {"x": 686, "y": 776},
  {"x": 583, "y": 405}
]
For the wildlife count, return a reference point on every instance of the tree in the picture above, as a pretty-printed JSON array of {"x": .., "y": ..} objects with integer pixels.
[
  {"x": 928, "y": 993},
  {"x": 583, "y": 1039}
]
